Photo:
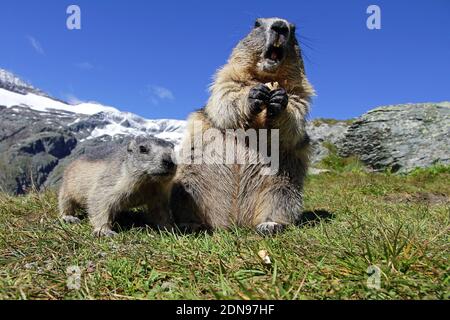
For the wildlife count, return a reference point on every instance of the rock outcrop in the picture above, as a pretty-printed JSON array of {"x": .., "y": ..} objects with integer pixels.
[
  {"x": 401, "y": 137},
  {"x": 324, "y": 132}
]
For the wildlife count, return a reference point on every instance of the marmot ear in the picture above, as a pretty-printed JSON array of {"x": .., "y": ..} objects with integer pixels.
[
  {"x": 131, "y": 146},
  {"x": 292, "y": 27}
]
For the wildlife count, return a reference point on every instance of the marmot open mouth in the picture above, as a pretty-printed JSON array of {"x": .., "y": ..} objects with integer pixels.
[{"x": 274, "y": 54}]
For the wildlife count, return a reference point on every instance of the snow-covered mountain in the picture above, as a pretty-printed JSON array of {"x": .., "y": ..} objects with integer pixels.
[
  {"x": 15, "y": 92},
  {"x": 40, "y": 134},
  {"x": 11, "y": 82}
]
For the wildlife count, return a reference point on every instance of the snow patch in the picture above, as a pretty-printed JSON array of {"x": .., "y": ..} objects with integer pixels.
[
  {"x": 125, "y": 123},
  {"x": 46, "y": 104}
]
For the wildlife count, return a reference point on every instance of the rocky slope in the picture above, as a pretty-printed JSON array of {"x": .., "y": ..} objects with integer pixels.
[{"x": 39, "y": 135}]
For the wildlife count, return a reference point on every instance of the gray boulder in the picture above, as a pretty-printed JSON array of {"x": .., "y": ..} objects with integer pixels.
[
  {"x": 323, "y": 132},
  {"x": 400, "y": 137}
]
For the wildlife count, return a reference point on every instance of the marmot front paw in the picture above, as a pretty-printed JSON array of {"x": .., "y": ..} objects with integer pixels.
[
  {"x": 104, "y": 232},
  {"x": 269, "y": 228},
  {"x": 70, "y": 219},
  {"x": 277, "y": 103},
  {"x": 258, "y": 98}
]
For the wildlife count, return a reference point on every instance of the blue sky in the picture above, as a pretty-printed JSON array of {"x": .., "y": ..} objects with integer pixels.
[{"x": 156, "y": 58}]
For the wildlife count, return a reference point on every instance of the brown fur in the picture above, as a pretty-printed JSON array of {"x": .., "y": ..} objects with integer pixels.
[{"x": 219, "y": 195}]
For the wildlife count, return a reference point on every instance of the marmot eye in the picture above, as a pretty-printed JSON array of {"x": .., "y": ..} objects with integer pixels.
[
  {"x": 257, "y": 24},
  {"x": 143, "y": 149}
]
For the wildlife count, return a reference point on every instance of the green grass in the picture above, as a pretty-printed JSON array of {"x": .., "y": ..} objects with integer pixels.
[
  {"x": 433, "y": 170},
  {"x": 398, "y": 223},
  {"x": 337, "y": 163}
]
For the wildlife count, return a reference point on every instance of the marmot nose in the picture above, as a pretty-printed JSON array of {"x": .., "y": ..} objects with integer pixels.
[
  {"x": 280, "y": 27},
  {"x": 168, "y": 163}
]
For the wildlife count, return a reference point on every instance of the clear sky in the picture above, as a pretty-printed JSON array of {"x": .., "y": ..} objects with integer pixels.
[{"x": 156, "y": 58}]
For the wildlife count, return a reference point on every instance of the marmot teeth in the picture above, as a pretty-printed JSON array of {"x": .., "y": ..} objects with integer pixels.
[{"x": 273, "y": 85}]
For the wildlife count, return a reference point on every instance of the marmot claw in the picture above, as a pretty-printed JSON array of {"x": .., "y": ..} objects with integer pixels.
[
  {"x": 269, "y": 228},
  {"x": 277, "y": 103},
  {"x": 104, "y": 233},
  {"x": 258, "y": 97},
  {"x": 70, "y": 219}
]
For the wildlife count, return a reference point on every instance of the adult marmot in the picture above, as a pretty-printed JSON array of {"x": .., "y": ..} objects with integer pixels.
[
  {"x": 117, "y": 178},
  {"x": 220, "y": 194}
]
